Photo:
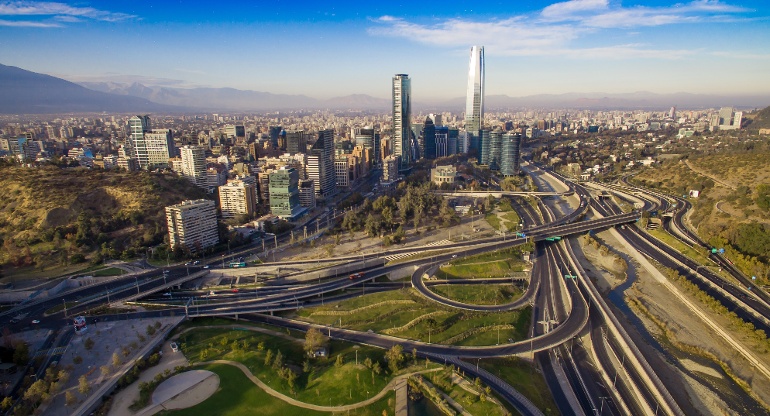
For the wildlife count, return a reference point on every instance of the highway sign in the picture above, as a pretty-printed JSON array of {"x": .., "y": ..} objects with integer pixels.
[{"x": 567, "y": 276}]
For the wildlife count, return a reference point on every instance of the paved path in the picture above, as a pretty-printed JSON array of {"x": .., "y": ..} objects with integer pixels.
[
  {"x": 708, "y": 175},
  {"x": 402, "y": 398},
  {"x": 310, "y": 406}
]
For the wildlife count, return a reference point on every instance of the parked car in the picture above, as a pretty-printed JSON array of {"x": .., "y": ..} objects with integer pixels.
[{"x": 174, "y": 347}]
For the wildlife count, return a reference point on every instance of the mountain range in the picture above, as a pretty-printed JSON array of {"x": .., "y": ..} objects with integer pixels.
[{"x": 26, "y": 92}]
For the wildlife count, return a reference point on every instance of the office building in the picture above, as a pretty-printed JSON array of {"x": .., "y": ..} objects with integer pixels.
[
  {"x": 194, "y": 164},
  {"x": 443, "y": 174},
  {"x": 510, "y": 154},
  {"x": 320, "y": 164},
  {"x": 152, "y": 148},
  {"x": 307, "y": 193},
  {"x": 192, "y": 225},
  {"x": 474, "y": 100},
  {"x": 296, "y": 142},
  {"x": 495, "y": 148},
  {"x": 390, "y": 167},
  {"x": 369, "y": 138},
  {"x": 428, "y": 139},
  {"x": 284, "y": 194},
  {"x": 402, "y": 140},
  {"x": 484, "y": 147},
  {"x": 238, "y": 197},
  {"x": 443, "y": 148},
  {"x": 342, "y": 171}
]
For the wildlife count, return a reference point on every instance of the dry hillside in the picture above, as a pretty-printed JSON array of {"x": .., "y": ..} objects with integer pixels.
[
  {"x": 734, "y": 206},
  {"x": 50, "y": 215}
]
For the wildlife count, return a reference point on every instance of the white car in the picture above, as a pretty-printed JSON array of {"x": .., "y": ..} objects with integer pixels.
[
  {"x": 174, "y": 347},
  {"x": 35, "y": 321}
]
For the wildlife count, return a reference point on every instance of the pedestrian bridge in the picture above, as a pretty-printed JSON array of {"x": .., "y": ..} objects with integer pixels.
[{"x": 498, "y": 194}]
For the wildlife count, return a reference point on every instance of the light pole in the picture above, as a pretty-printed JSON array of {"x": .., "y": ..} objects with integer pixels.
[
  {"x": 136, "y": 278},
  {"x": 65, "y": 307}
]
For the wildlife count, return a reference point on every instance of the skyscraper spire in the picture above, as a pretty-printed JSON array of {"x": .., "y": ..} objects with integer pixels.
[{"x": 474, "y": 105}]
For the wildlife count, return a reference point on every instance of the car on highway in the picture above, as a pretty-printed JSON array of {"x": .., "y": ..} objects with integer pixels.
[
  {"x": 454, "y": 256},
  {"x": 235, "y": 290},
  {"x": 206, "y": 266},
  {"x": 196, "y": 262},
  {"x": 188, "y": 263},
  {"x": 174, "y": 347},
  {"x": 35, "y": 321}
]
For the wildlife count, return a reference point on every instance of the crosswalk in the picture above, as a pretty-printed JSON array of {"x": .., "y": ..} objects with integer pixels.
[
  {"x": 54, "y": 351},
  {"x": 403, "y": 255}
]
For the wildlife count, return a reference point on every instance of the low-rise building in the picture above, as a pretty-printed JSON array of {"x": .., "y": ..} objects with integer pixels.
[{"x": 443, "y": 174}]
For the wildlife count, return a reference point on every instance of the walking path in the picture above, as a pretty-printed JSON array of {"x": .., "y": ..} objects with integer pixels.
[
  {"x": 390, "y": 386},
  {"x": 708, "y": 175},
  {"x": 402, "y": 398}
]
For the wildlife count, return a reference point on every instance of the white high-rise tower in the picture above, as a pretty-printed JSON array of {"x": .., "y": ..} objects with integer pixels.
[
  {"x": 402, "y": 103},
  {"x": 474, "y": 105}
]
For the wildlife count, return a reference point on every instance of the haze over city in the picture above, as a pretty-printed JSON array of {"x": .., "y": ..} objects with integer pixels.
[{"x": 333, "y": 49}]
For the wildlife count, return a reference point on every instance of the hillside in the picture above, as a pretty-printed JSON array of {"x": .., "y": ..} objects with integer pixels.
[
  {"x": 52, "y": 216},
  {"x": 733, "y": 209},
  {"x": 26, "y": 92},
  {"x": 760, "y": 120}
]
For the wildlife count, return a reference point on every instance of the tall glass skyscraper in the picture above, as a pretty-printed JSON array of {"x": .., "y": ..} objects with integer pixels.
[
  {"x": 510, "y": 153},
  {"x": 474, "y": 104},
  {"x": 402, "y": 109}
]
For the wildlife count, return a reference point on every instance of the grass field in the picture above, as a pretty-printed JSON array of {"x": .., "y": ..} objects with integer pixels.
[
  {"x": 493, "y": 220},
  {"x": 523, "y": 377},
  {"x": 690, "y": 252},
  {"x": 109, "y": 271},
  {"x": 479, "y": 294},
  {"x": 407, "y": 319},
  {"x": 484, "y": 266},
  {"x": 237, "y": 396},
  {"x": 345, "y": 384},
  {"x": 469, "y": 401}
]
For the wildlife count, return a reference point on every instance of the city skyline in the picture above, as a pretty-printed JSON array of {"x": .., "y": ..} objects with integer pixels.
[{"x": 702, "y": 46}]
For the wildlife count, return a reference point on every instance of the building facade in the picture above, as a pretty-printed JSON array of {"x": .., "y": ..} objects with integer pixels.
[
  {"x": 443, "y": 174},
  {"x": 284, "y": 194},
  {"x": 510, "y": 154},
  {"x": 402, "y": 109},
  {"x": 238, "y": 197},
  {"x": 474, "y": 99},
  {"x": 194, "y": 164},
  {"x": 192, "y": 225},
  {"x": 320, "y": 164},
  {"x": 307, "y": 193}
]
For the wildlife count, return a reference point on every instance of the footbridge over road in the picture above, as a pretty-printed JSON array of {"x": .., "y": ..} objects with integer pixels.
[{"x": 497, "y": 194}]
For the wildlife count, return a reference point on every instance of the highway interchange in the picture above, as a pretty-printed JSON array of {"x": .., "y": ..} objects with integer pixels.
[{"x": 575, "y": 338}]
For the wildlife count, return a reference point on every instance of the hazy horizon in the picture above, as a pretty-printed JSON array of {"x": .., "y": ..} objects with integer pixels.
[{"x": 344, "y": 48}]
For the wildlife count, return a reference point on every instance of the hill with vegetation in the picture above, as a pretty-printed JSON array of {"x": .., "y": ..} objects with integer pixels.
[
  {"x": 733, "y": 209},
  {"x": 51, "y": 216},
  {"x": 759, "y": 120}
]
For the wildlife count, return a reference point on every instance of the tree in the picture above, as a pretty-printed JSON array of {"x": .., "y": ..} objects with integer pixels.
[
  {"x": 105, "y": 369},
  {"x": 88, "y": 343},
  {"x": 69, "y": 398},
  {"x": 372, "y": 225},
  {"x": 339, "y": 362},
  {"x": 83, "y": 386},
  {"x": 278, "y": 362},
  {"x": 314, "y": 340},
  {"x": 268, "y": 357},
  {"x": 115, "y": 360},
  {"x": 21, "y": 354},
  {"x": 376, "y": 368},
  {"x": 37, "y": 391},
  {"x": 395, "y": 356}
]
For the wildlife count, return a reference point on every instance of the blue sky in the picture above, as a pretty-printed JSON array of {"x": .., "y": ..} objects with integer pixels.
[{"x": 335, "y": 48}]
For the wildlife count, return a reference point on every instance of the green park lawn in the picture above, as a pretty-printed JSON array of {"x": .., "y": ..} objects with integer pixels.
[
  {"x": 497, "y": 294},
  {"x": 237, "y": 396},
  {"x": 344, "y": 384},
  {"x": 491, "y": 265},
  {"x": 525, "y": 378},
  {"x": 438, "y": 327}
]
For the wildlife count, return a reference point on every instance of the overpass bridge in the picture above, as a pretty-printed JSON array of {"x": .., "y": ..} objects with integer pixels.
[{"x": 498, "y": 194}]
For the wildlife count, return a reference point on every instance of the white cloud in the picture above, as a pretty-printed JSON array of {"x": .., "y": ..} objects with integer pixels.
[
  {"x": 26, "y": 23},
  {"x": 59, "y": 11},
  {"x": 568, "y": 9},
  {"x": 556, "y": 29}
]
